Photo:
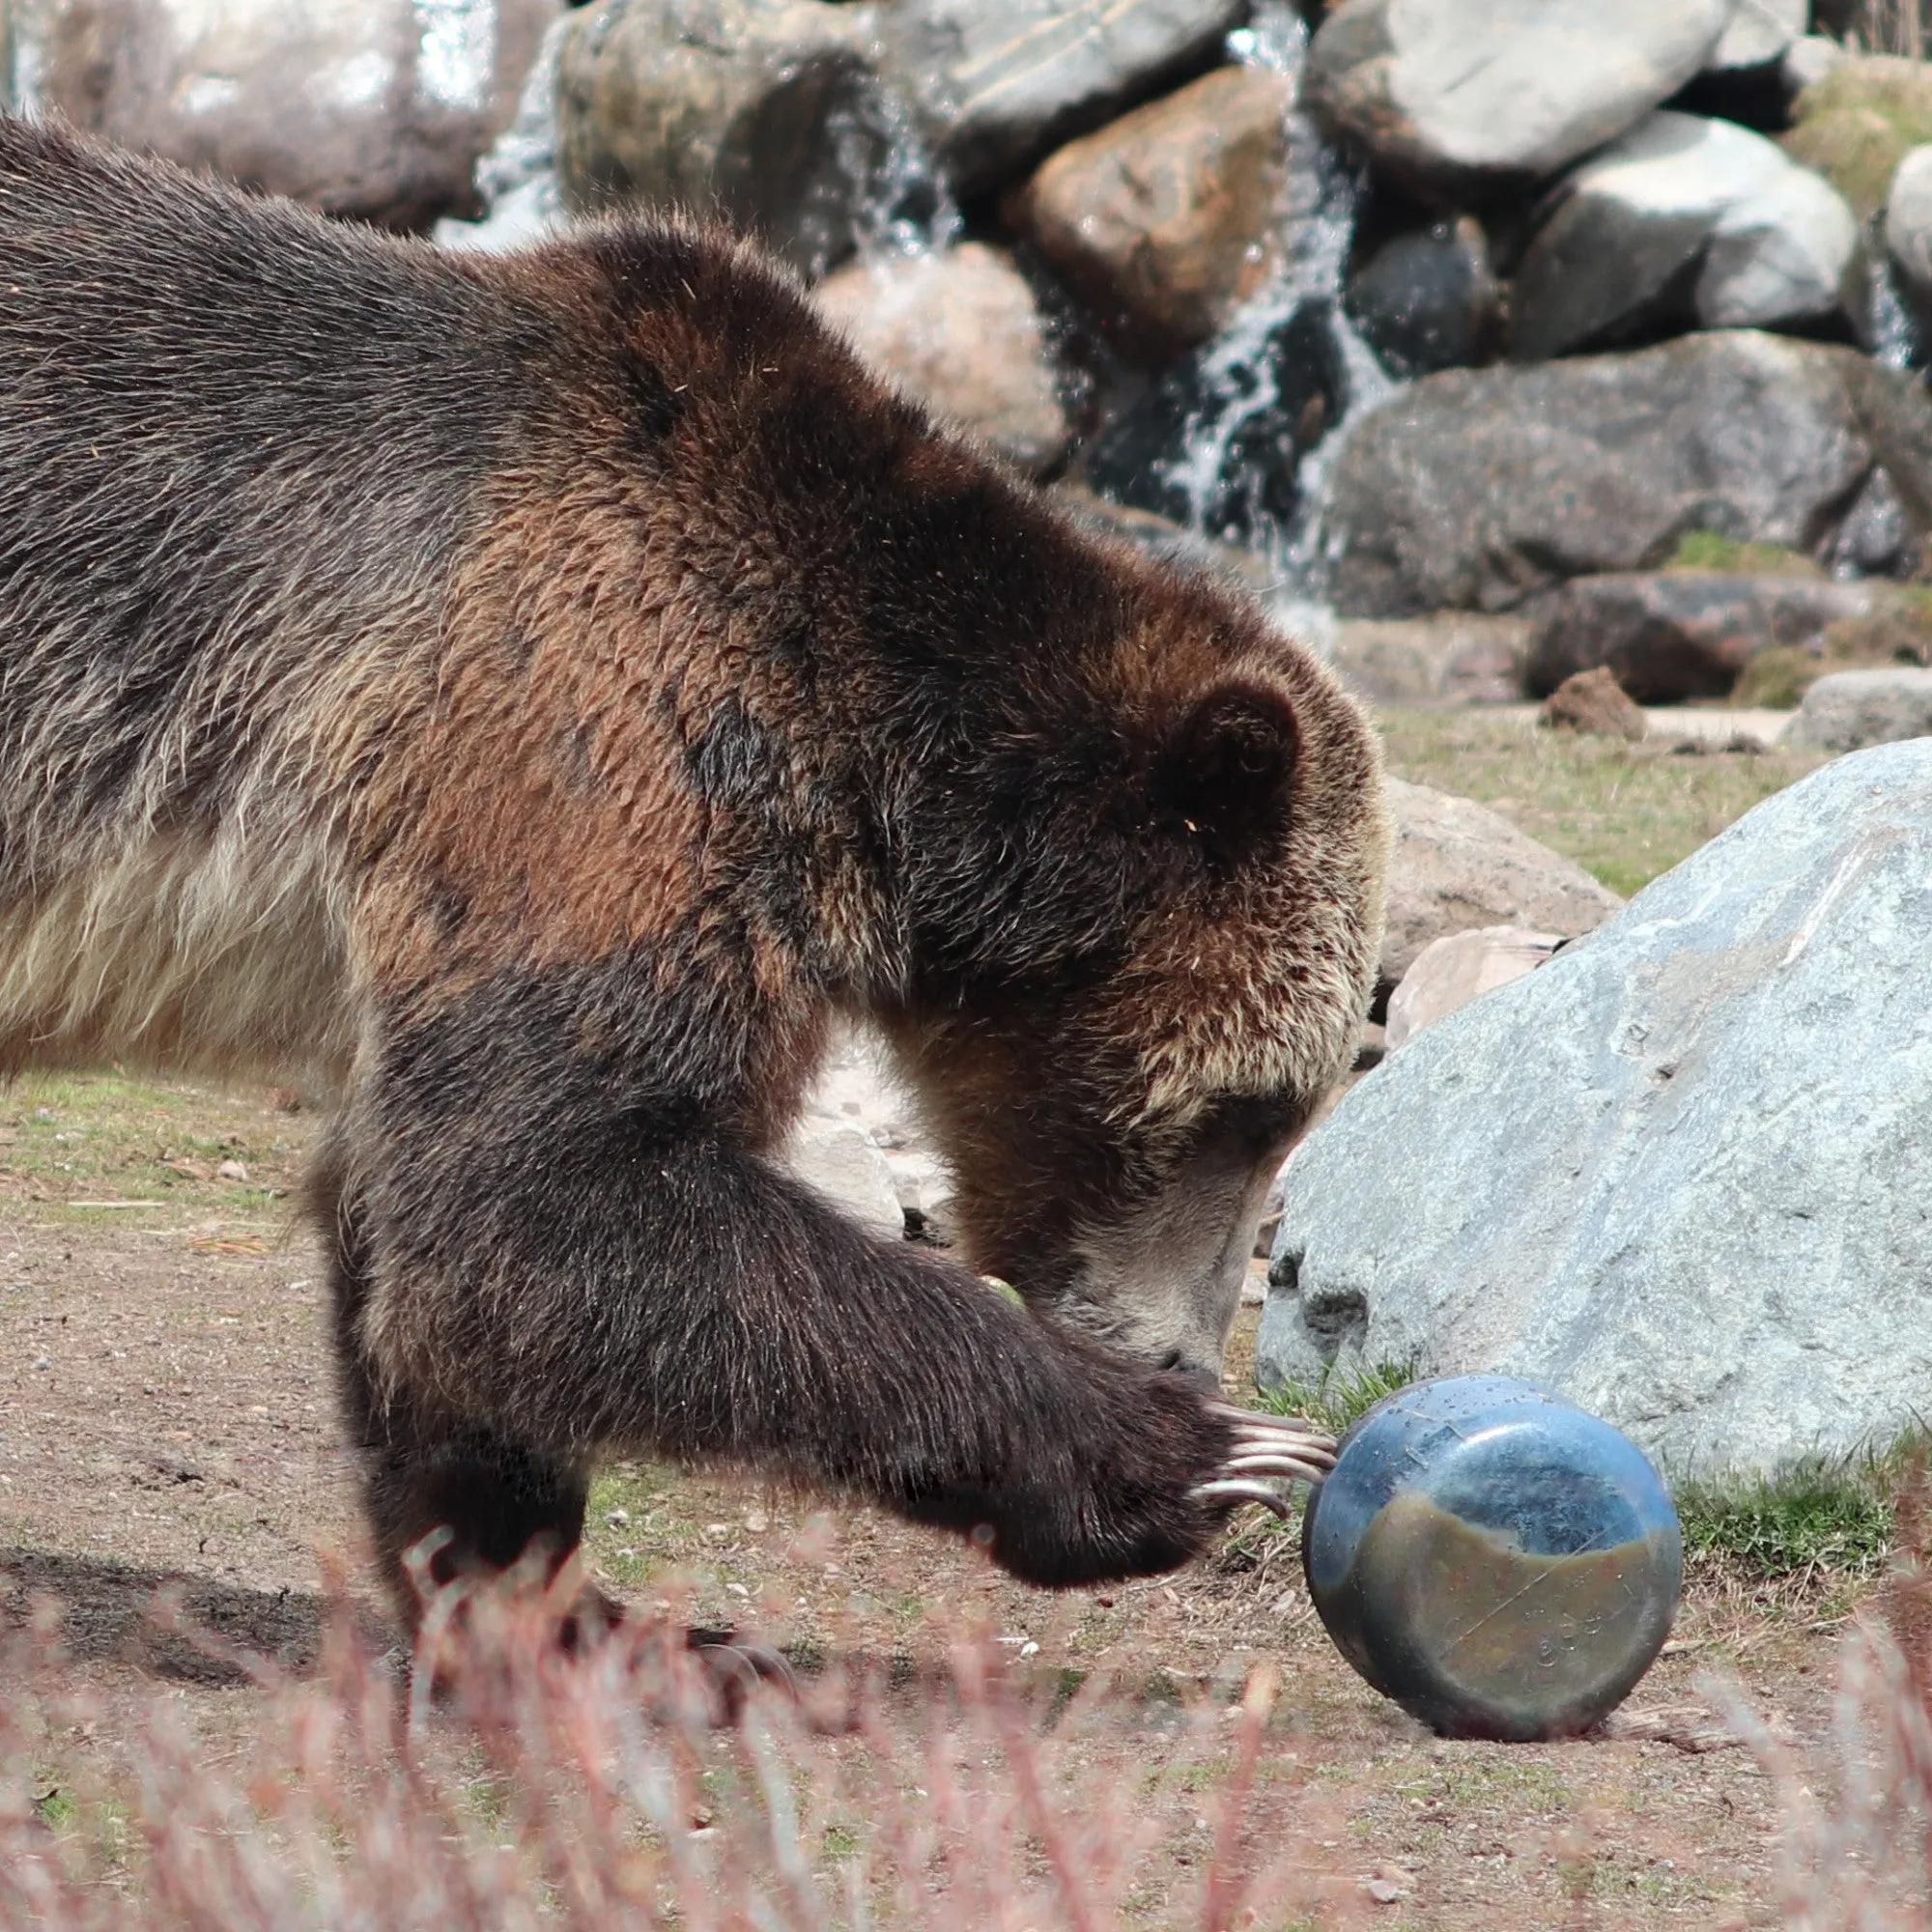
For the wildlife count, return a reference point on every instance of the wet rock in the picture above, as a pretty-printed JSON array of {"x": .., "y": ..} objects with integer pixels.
[
  {"x": 769, "y": 112},
  {"x": 1851, "y": 709},
  {"x": 1859, "y": 122},
  {"x": 1429, "y": 301},
  {"x": 1290, "y": 386},
  {"x": 1457, "y": 864},
  {"x": 1449, "y": 973},
  {"x": 1665, "y": 1173},
  {"x": 1594, "y": 703},
  {"x": 1686, "y": 223},
  {"x": 1169, "y": 219},
  {"x": 1456, "y": 658},
  {"x": 1000, "y": 82},
  {"x": 1462, "y": 96},
  {"x": 516, "y": 178},
  {"x": 1473, "y": 487},
  {"x": 376, "y": 109},
  {"x": 960, "y": 332},
  {"x": 1669, "y": 635}
]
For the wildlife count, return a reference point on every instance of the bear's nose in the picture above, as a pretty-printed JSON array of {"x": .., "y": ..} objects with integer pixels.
[{"x": 1207, "y": 1380}]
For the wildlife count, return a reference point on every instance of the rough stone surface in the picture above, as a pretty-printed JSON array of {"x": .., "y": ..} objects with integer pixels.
[
  {"x": 1668, "y": 635},
  {"x": 1851, "y": 709},
  {"x": 1594, "y": 703},
  {"x": 1686, "y": 223},
  {"x": 1456, "y": 658},
  {"x": 1449, "y": 973},
  {"x": 1676, "y": 1173},
  {"x": 768, "y": 111},
  {"x": 1467, "y": 94},
  {"x": 1473, "y": 487},
  {"x": 1760, "y": 32},
  {"x": 372, "y": 108},
  {"x": 1169, "y": 219},
  {"x": 1457, "y": 864},
  {"x": 1908, "y": 224},
  {"x": 1000, "y": 82},
  {"x": 962, "y": 332},
  {"x": 1429, "y": 300},
  {"x": 845, "y": 1166}
]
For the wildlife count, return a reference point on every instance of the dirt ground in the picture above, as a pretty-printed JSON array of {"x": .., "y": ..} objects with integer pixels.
[{"x": 167, "y": 1417}]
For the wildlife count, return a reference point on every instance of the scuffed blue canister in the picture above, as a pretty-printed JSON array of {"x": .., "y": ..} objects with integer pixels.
[{"x": 1498, "y": 1562}]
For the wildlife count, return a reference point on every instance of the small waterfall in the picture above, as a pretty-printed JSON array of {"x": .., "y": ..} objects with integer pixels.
[
  {"x": 1891, "y": 327},
  {"x": 894, "y": 196},
  {"x": 1238, "y": 438}
]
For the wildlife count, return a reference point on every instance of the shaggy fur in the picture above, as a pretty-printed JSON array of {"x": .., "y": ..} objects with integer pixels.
[{"x": 538, "y": 694}]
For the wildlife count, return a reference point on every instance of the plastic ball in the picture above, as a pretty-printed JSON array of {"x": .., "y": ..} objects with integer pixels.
[{"x": 1498, "y": 1562}]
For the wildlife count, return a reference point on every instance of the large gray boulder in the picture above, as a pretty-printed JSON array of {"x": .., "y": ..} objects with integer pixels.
[
  {"x": 1851, "y": 709},
  {"x": 1760, "y": 32},
  {"x": 372, "y": 108},
  {"x": 1686, "y": 223},
  {"x": 1908, "y": 226},
  {"x": 1456, "y": 865},
  {"x": 999, "y": 82},
  {"x": 769, "y": 112},
  {"x": 1466, "y": 96},
  {"x": 1473, "y": 487},
  {"x": 1683, "y": 1173}
]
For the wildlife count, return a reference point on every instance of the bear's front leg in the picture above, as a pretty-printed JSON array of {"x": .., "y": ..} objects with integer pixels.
[{"x": 510, "y": 1319}]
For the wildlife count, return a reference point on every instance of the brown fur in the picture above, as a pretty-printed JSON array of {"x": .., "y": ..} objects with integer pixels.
[{"x": 542, "y": 694}]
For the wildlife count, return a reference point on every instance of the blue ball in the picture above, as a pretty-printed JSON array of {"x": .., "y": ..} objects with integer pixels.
[{"x": 1495, "y": 1561}]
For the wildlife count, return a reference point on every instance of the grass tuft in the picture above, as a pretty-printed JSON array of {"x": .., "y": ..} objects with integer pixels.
[
  {"x": 1342, "y": 1397},
  {"x": 1711, "y": 549}
]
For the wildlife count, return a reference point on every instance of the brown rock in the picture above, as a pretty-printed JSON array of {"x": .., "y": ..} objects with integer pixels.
[
  {"x": 372, "y": 108},
  {"x": 1594, "y": 703},
  {"x": 1671, "y": 635},
  {"x": 961, "y": 332},
  {"x": 1450, "y": 972},
  {"x": 1169, "y": 219},
  {"x": 1457, "y": 864}
]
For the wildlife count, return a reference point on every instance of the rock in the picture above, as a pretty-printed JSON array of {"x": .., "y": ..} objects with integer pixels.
[
  {"x": 1291, "y": 378},
  {"x": 516, "y": 178},
  {"x": 961, "y": 332},
  {"x": 1669, "y": 635},
  {"x": 1760, "y": 32},
  {"x": 1594, "y": 703},
  {"x": 1000, "y": 82},
  {"x": 1851, "y": 709},
  {"x": 845, "y": 1167},
  {"x": 1463, "y": 98},
  {"x": 1473, "y": 487},
  {"x": 1456, "y": 658},
  {"x": 1673, "y": 1174},
  {"x": 1169, "y": 219},
  {"x": 1908, "y": 224},
  {"x": 1449, "y": 973},
  {"x": 1686, "y": 223},
  {"x": 1457, "y": 864},
  {"x": 1859, "y": 122},
  {"x": 1429, "y": 301},
  {"x": 376, "y": 109},
  {"x": 768, "y": 111},
  {"x": 1808, "y": 60}
]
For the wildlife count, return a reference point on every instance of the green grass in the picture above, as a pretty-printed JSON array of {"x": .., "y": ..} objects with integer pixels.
[
  {"x": 1711, "y": 549},
  {"x": 1856, "y": 124},
  {"x": 1823, "y": 1515},
  {"x": 1623, "y": 812},
  {"x": 1341, "y": 1398}
]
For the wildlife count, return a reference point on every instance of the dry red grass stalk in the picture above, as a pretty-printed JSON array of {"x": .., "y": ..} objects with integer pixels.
[{"x": 499, "y": 1783}]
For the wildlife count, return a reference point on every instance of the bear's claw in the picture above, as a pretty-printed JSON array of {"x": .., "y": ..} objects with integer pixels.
[{"x": 1267, "y": 1450}]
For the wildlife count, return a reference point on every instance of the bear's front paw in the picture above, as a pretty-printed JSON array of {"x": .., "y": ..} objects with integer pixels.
[{"x": 1267, "y": 1451}]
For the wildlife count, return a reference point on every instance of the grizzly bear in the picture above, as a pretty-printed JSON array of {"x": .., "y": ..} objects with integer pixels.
[{"x": 540, "y": 694}]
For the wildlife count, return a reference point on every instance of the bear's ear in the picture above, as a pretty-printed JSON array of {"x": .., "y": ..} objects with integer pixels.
[{"x": 1227, "y": 772}]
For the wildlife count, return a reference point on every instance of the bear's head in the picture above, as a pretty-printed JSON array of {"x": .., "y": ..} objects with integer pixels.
[{"x": 1140, "y": 869}]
